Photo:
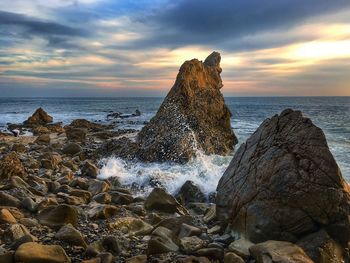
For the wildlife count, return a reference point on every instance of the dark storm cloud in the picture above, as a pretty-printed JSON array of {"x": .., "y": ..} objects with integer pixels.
[
  {"x": 216, "y": 22},
  {"x": 14, "y": 25}
]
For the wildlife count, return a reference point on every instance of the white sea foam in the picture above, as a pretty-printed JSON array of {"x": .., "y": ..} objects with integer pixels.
[{"x": 204, "y": 170}]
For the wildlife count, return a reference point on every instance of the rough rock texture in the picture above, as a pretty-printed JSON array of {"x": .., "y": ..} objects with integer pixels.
[
  {"x": 39, "y": 117},
  {"x": 10, "y": 166},
  {"x": 35, "y": 253},
  {"x": 278, "y": 252},
  {"x": 193, "y": 115},
  {"x": 284, "y": 183}
]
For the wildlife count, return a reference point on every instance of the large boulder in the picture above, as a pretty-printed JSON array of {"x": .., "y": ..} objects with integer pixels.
[
  {"x": 193, "y": 116},
  {"x": 39, "y": 117},
  {"x": 284, "y": 183}
]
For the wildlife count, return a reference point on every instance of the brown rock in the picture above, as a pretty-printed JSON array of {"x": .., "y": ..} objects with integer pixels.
[
  {"x": 193, "y": 116},
  {"x": 320, "y": 247},
  {"x": 101, "y": 211},
  {"x": 284, "y": 183},
  {"x": 39, "y": 117},
  {"x": 89, "y": 169},
  {"x": 231, "y": 257},
  {"x": 11, "y": 165},
  {"x": 58, "y": 216},
  {"x": 70, "y": 235},
  {"x": 36, "y": 253},
  {"x": 8, "y": 200},
  {"x": 38, "y": 130},
  {"x": 43, "y": 139},
  {"x": 6, "y": 217},
  {"x": 160, "y": 200},
  {"x": 278, "y": 252},
  {"x": 75, "y": 134}
]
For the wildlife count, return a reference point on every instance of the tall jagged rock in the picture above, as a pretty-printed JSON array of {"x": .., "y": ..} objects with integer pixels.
[
  {"x": 193, "y": 116},
  {"x": 39, "y": 117},
  {"x": 284, "y": 184}
]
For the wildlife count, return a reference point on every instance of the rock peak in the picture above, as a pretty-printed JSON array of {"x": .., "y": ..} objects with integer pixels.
[
  {"x": 213, "y": 60},
  {"x": 193, "y": 116}
]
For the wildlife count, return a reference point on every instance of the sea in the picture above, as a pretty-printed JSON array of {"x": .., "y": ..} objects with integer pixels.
[{"x": 332, "y": 114}]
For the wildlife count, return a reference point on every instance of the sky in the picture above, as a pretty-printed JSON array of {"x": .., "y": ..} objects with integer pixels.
[{"x": 135, "y": 48}]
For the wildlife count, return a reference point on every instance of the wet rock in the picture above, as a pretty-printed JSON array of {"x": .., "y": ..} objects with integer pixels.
[
  {"x": 15, "y": 232},
  {"x": 190, "y": 192},
  {"x": 111, "y": 244},
  {"x": 160, "y": 200},
  {"x": 133, "y": 226},
  {"x": 71, "y": 236},
  {"x": 75, "y": 134},
  {"x": 161, "y": 242},
  {"x": 38, "y": 130},
  {"x": 101, "y": 211},
  {"x": 188, "y": 230},
  {"x": 19, "y": 148},
  {"x": 121, "y": 198},
  {"x": 320, "y": 247},
  {"x": 89, "y": 169},
  {"x": 58, "y": 216},
  {"x": 6, "y": 217},
  {"x": 284, "y": 183},
  {"x": 210, "y": 214},
  {"x": 193, "y": 116},
  {"x": 88, "y": 125},
  {"x": 232, "y": 258},
  {"x": 28, "y": 204},
  {"x": 11, "y": 165},
  {"x": 8, "y": 200},
  {"x": 241, "y": 247},
  {"x": 39, "y": 117},
  {"x": 212, "y": 253},
  {"x": 190, "y": 244},
  {"x": 103, "y": 198},
  {"x": 24, "y": 239},
  {"x": 6, "y": 256},
  {"x": 191, "y": 259},
  {"x": 41, "y": 253},
  {"x": 43, "y": 139},
  {"x": 71, "y": 148},
  {"x": 278, "y": 251},
  {"x": 98, "y": 186},
  {"x": 137, "y": 259}
]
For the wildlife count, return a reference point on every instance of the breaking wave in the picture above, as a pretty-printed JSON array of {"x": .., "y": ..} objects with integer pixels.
[{"x": 204, "y": 170}]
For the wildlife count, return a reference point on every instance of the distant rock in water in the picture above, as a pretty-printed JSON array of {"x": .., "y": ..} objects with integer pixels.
[
  {"x": 39, "y": 117},
  {"x": 193, "y": 116},
  {"x": 284, "y": 184}
]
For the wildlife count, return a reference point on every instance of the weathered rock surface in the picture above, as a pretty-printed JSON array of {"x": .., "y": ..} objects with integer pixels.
[
  {"x": 11, "y": 165},
  {"x": 193, "y": 115},
  {"x": 58, "y": 216},
  {"x": 36, "y": 253},
  {"x": 278, "y": 252},
  {"x": 161, "y": 200},
  {"x": 284, "y": 183},
  {"x": 39, "y": 117}
]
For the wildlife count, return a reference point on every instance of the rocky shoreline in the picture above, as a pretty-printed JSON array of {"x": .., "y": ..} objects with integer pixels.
[{"x": 282, "y": 198}]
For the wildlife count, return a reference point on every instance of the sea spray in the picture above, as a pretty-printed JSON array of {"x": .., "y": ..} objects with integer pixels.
[{"x": 204, "y": 170}]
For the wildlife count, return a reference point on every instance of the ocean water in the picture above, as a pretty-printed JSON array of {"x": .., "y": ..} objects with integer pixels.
[{"x": 332, "y": 114}]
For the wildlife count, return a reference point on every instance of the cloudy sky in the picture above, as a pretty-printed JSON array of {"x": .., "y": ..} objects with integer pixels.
[{"x": 134, "y": 48}]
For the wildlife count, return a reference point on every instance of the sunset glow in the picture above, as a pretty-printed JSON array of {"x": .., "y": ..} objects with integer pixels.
[{"x": 139, "y": 48}]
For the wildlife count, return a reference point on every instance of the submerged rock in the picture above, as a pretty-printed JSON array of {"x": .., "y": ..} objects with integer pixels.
[
  {"x": 193, "y": 116},
  {"x": 39, "y": 117},
  {"x": 284, "y": 183}
]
